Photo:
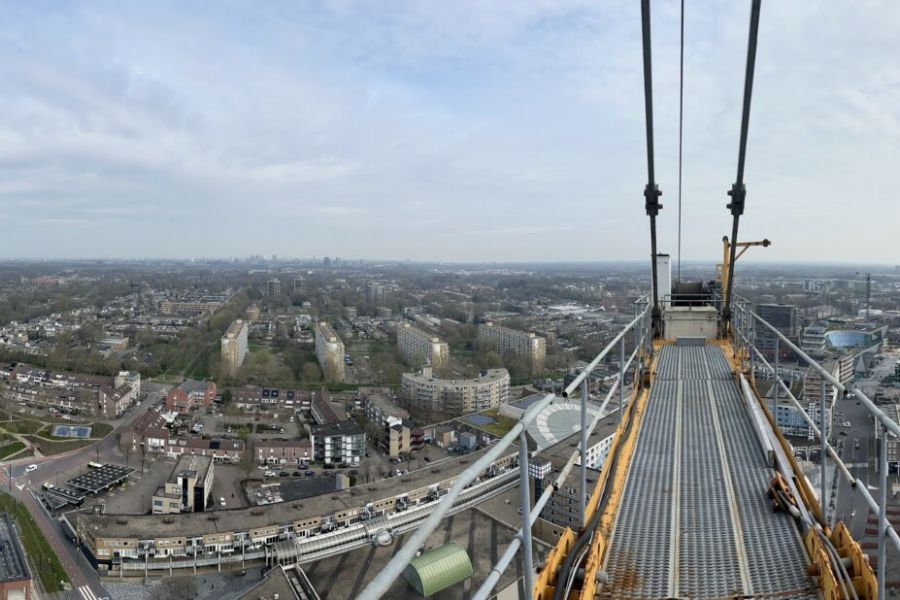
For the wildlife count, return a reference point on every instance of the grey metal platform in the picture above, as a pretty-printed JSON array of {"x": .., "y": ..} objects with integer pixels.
[{"x": 695, "y": 521}]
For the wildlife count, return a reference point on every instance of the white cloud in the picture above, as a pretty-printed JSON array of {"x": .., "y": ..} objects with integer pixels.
[{"x": 337, "y": 125}]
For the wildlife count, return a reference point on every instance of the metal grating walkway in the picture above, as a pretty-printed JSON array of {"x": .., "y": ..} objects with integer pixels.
[{"x": 695, "y": 521}]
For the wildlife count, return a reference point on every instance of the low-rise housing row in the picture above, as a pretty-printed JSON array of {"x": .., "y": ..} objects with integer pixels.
[{"x": 71, "y": 393}]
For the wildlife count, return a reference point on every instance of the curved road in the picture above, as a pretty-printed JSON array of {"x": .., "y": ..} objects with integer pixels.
[{"x": 85, "y": 582}]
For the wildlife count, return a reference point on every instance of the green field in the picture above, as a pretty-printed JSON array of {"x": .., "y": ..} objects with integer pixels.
[
  {"x": 10, "y": 449},
  {"x": 19, "y": 424},
  {"x": 50, "y": 448},
  {"x": 499, "y": 427},
  {"x": 49, "y": 569}
]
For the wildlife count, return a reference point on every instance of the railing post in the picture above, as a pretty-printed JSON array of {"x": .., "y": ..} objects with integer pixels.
[
  {"x": 777, "y": 383},
  {"x": 528, "y": 567},
  {"x": 882, "y": 517},
  {"x": 823, "y": 438},
  {"x": 752, "y": 352},
  {"x": 621, "y": 378},
  {"x": 582, "y": 496}
]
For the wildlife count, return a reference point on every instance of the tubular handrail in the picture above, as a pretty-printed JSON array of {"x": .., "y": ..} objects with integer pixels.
[
  {"x": 806, "y": 358},
  {"x": 855, "y": 483},
  {"x": 593, "y": 364},
  {"x": 876, "y": 412},
  {"x": 381, "y": 582}
]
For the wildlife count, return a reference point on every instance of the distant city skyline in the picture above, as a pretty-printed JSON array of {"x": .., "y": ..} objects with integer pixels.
[{"x": 463, "y": 132}]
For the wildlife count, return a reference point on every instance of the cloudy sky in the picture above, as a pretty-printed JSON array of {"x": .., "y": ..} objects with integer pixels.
[{"x": 463, "y": 130}]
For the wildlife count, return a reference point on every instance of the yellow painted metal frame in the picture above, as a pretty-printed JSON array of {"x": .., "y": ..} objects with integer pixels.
[
  {"x": 624, "y": 442},
  {"x": 863, "y": 577},
  {"x": 546, "y": 583}
]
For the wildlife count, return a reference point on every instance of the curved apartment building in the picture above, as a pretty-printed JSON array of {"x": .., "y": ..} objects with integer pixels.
[{"x": 456, "y": 396}]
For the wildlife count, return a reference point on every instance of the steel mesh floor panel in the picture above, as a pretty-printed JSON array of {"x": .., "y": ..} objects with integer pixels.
[{"x": 694, "y": 520}]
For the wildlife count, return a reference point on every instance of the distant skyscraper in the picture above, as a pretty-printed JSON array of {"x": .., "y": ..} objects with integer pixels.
[
  {"x": 784, "y": 318},
  {"x": 326, "y": 261},
  {"x": 375, "y": 294},
  {"x": 273, "y": 287}
]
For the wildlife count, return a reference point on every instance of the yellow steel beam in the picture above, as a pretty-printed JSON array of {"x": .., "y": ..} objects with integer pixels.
[{"x": 545, "y": 585}]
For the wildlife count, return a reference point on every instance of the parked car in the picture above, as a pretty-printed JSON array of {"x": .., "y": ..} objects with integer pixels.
[
  {"x": 310, "y": 473},
  {"x": 31, "y": 468}
]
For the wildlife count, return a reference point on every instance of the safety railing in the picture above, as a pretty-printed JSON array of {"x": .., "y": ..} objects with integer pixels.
[
  {"x": 744, "y": 328},
  {"x": 639, "y": 325}
]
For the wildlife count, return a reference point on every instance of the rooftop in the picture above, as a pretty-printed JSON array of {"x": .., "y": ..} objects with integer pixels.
[
  {"x": 13, "y": 565},
  {"x": 340, "y": 428},
  {"x": 274, "y": 585},
  {"x": 487, "y": 376},
  {"x": 191, "y": 466}
]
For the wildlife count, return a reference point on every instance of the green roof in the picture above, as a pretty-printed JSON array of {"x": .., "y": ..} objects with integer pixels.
[{"x": 435, "y": 570}]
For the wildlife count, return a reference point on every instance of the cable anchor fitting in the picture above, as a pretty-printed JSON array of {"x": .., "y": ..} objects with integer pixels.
[
  {"x": 651, "y": 197},
  {"x": 736, "y": 206}
]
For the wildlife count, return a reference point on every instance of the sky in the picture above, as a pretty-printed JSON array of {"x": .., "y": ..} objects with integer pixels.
[{"x": 470, "y": 130}]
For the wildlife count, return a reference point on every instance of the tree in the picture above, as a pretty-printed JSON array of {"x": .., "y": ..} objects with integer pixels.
[
  {"x": 248, "y": 458},
  {"x": 312, "y": 372}
]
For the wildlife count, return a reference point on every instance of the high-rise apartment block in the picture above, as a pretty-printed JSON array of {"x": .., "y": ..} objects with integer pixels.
[
  {"x": 374, "y": 294},
  {"x": 456, "y": 396},
  {"x": 273, "y": 287},
  {"x": 234, "y": 346},
  {"x": 330, "y": 352},
  {"x": 417, "y": 346},
  {"x": 784, "y": 318},
  {"x": 531, "y": 346}
]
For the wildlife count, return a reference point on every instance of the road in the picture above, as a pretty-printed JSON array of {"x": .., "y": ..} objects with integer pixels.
[{"x": 86, "y": 584}]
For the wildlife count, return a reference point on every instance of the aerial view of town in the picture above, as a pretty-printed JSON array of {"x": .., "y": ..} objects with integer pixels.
[{"x": 349, "y": 300}]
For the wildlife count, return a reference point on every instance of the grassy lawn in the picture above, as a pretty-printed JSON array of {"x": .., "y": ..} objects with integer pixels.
[
  {"x": 11, "y": 449},
  {"x": 499, "y": 427},
  {"x": 42, "y": 556},
  {"x": 50, "y": 448},
  {"x": 19, "y": 424},
  {"x": 100, "y": 430}
]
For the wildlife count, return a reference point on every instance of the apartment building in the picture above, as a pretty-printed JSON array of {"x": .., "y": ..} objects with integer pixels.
[
  {"x": 273, "y": 287},
  {"x": 115, "y": 401},
  {"x": 191, "y": 394},
  {"x": 380, "y": 411},
  {"x": 188, "y": 487},
  {"x": 130, "y": 378},
  {"x": 532, "y": 346},
  {"x": 456, "y": 396},
  {"x": 234, "y": 346},
  {"x": 422, "y": 348},
  {"x": 221, "y": 451},
  {"x": 71, "y": 393},
  {"x": 336, "y": 443},
  {"x": 375, "y": 294},
  {"x": 329, "y": 352},
  {"x": 148, "y": 430},
  {"x": 284, "y": 452},
  {"x": 254, "y": 397},
  {"x": 784, "y": 318}
]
